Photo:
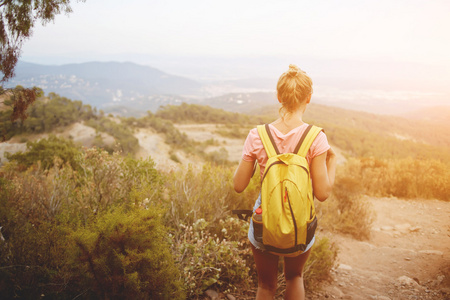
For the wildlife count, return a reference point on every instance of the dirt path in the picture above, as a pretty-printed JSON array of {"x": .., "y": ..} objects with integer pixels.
[
  {"x": 407, "y": 256},
  {"x": 204, "y": 132}
]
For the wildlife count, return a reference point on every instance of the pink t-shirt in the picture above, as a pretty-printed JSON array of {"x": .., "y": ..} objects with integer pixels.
[{"x": 286, "y": 143}]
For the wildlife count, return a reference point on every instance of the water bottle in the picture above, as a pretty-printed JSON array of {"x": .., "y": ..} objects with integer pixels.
[{"x": 257, "y": 225}]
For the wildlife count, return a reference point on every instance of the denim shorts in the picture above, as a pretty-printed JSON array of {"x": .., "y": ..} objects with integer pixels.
[{"x": 259, "y": 245}]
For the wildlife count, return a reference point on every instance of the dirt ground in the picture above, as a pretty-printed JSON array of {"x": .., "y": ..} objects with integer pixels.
[
  {"x": 204, "y": 132},
  {"x": 407, "y": 256}
]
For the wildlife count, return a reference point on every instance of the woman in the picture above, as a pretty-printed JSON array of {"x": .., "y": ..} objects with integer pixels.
[{"x": 294, "y": 90}]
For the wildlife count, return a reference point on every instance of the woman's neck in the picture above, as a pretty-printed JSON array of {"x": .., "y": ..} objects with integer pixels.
[{"x": 289, "y": 121}]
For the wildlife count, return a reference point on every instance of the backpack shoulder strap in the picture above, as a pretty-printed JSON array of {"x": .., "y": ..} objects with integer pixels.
[
  {"x": 267, "y": 140},
  {"x": 307, "y": 139}
]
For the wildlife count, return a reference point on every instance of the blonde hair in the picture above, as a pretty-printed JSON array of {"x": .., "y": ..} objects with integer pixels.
[{"x": 293, "y": 89}]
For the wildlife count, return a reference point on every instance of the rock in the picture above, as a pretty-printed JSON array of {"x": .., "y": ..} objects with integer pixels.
[
  {"x": 403, "y": 228},
  {"x": 438, "y": 281},
  {"x": 213, "y": 295},
  {"x": 407, "y": 281},
  {"x": 230, "y": 297},
  {"x": 337, "y": 292},
  {"x": 440, "y": 278},
  {"x": 387, "y": 228},
  {"x": 431, "y": 252},
  {"x": 415, "y": 229},
  {"x": 383, "y": 298},
  {"x": 345, "y": 267},
  {"x": 407, "y": 258}
]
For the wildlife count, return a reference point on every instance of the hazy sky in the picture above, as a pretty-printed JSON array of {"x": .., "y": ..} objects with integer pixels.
[{"x": 400, "y": 31}]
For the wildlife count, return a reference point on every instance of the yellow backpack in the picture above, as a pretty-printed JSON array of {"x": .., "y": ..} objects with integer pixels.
[{"x": 287, "y": 201}]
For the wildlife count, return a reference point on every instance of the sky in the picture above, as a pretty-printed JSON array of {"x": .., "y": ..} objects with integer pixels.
[{"x": 407, "y": 39}]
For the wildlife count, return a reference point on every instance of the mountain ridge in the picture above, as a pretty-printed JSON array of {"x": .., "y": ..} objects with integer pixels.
[{"x": 102, "y": 83}]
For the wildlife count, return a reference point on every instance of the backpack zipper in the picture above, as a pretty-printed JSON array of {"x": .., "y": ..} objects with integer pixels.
[{"x": 292, "y": 214}]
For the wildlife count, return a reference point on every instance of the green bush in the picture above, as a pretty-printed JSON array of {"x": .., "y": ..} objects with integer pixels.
[
  {"x": 195, "y": 113},
  {"x": 32, "y": 254},
  {"x": 403, "y": 178},
  {"x": 207, "y": 260},
  {"x": 322, "y": 259},
  {"x": 45, "y": 151},
  {"x": 46, "y": 114},
  {"x": 205, "y": 194},
  {"x": 100, "y": 231},
  {"x": 346, "y": 211},
  {"x": 125, "y": 254},
  {"x": 126, "y": 142}
]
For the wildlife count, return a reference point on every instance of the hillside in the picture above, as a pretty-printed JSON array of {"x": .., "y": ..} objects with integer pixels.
[
  {"x": 373, "y": 240},
  {"x": 355, "y": 133},
  {"x": 103, "y": 83},
  {"x": 423, "y": 130}
]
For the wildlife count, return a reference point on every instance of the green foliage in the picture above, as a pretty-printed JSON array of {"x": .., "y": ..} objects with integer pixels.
[
  {"x": 54, "y": 111},
  {"x": 102, "y": 231},
  {"x": 125, "y": 254},
  {"x": 234, "y": 131},
  {"x": 207, "y": 260},
  {"x": 45, "y": 151},
  {"x": 322, "y": 259},
  {"x": 381, "y": 125},
  {"x": 217, "y": 157},
  {"x": 41, "y": 208},
  {"x": 359, "y": 143},
  {"x": 403, "y": 178},
  {"x": 174, "y": 157},
  {"x": 207, "y": 194},
  {"x": 17, "y": 22},
  {"x": 346, "y": 211},
  {"x": 31, "y": 258},
  {"x": 108, "y": 180},
  {"x": 127, "y": 143},
  {"x": 45, "y": 115},
  {"x": 361, "y": 134},
  {"x": 173, "y": 136},
  {"x": 204, "y": 114}
]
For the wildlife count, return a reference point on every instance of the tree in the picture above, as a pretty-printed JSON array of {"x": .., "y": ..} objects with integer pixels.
[{"x": 17, "y": 19}]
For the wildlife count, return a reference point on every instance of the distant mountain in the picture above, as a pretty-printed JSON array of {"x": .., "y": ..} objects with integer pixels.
[
  {"x": 133, "y": 89},
  {"x": 104, "y": 83}
]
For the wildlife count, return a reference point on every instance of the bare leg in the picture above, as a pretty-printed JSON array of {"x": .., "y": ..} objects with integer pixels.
[
  {"x": 293, "y": 272},
  {"x": 267, "y": 268}
]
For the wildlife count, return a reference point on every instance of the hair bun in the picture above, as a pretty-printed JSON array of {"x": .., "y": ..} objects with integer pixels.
[{"x": 293, "y": 70}]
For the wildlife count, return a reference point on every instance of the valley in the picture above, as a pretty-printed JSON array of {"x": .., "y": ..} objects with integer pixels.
[{"x": 406, "y": 253}]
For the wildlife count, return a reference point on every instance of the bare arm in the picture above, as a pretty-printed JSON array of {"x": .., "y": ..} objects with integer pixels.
[
  {"x": 323, "y": 170},
  {"x": 243, "y": 175}
]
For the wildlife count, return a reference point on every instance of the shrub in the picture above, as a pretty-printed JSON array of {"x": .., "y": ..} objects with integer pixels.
[
  {"x": 322, "y": 259},
  {"x": 233, "y": 131},
  {"x": 32, "y": 253},
  {"x": 217, "y": 157},
  {"x": 346, "y": 211},
  {"x": 45, "y": 151},
  {"x": 206, "y": 259},
  {"x": 107, "y": 180},
  {"x": 205, "y": 194},
  {"x": 403, "y": 178},
  {"x": 123, "y": 136},
  {"x": 125, "y": 254}
]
